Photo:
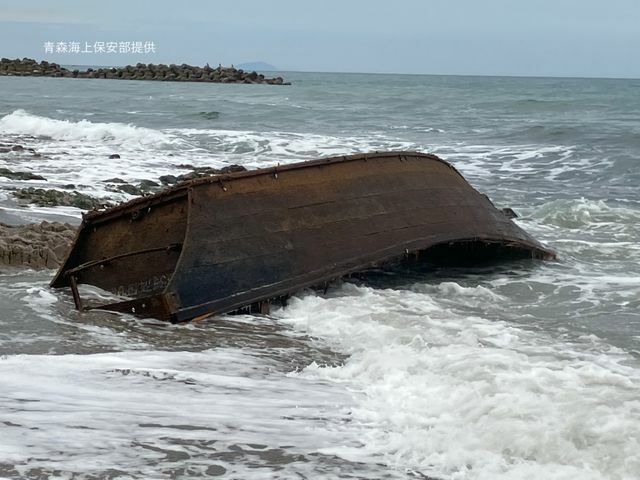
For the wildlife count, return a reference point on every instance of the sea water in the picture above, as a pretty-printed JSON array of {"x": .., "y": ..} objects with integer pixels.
[{"x": 514, "y": 371}]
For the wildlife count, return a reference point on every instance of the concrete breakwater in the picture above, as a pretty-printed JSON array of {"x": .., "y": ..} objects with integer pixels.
[{"x": 28, "y": 67}]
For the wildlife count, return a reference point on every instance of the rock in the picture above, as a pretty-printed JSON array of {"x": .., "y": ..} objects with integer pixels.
[
  {"x": 232, "y": 168},
  {"x": 189, "y": 176},
  {"x": 168, "y": 179},
  {"x": 55, "y": 198},
  {"x": 130, "y": 189},
  {"x": 198, "y": 172},
  {"x": 148, "y": 185},
  {"x": 17, "y": 148},
  {"x": 37, "y": 245},
  {"x": 5, "y": 172},
  {"x": 141, "y": 71},
  {"x": 114, "y": 180},
  {"x": 114, "y": 155}
]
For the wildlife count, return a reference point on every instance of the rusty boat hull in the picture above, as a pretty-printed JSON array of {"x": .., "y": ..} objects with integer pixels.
[{"x": 222, "y": 243}]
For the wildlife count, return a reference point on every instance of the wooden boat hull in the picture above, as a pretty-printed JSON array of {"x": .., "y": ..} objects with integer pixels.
[{"x": 218, "y": 244}]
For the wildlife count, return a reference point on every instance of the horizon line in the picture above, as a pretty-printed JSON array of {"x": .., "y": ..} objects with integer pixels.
[{"x": 487, "y": 75}]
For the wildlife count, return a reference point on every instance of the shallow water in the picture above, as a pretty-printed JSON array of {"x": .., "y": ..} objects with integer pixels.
[{"x": 525, "y": 370}]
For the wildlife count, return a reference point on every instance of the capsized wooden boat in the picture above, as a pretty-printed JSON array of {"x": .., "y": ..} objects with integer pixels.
[{"x": 222, "y": 243}]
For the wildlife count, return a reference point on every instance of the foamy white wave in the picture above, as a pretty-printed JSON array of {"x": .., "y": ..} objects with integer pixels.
[
  {"x": 151, "y": 414},
  {"x": 512, "y": 163},
  {"x": 417, "y": 128},
  {"x": 258, "y": 149},
  {"x": 21, "y": 122},
  {"x": 37, "y": 301},
  {"x": 581, "y": 212},
  {"x": 78, "y": 152},
  {"x": 469, "y": 398}
]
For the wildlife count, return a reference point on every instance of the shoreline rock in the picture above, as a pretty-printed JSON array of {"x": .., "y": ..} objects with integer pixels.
[
  {"x": 36, "y": 245},
  {"x": 57, "y": 198},
  {"x": 28, "y": 67},
  {"x": 197, "y": 172},
  {"x": 18, "y": 175}
]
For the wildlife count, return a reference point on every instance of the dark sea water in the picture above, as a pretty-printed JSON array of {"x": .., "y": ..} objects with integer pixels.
[{"x": 518, "y": 371}]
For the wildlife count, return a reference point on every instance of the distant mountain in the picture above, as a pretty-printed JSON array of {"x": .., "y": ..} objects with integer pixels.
[{"x": 258, "y": 66}]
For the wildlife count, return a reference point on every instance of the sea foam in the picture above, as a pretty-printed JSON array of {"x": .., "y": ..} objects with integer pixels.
[
  {"x": 465, "y": 397},
  {"x": 21, "y": 122}
]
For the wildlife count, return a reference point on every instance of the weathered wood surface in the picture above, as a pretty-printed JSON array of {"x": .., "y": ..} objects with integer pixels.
[{"x": 252, "y": 236}]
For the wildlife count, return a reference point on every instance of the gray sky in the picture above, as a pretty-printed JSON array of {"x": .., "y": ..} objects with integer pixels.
[{"x": 592, "y": 38}]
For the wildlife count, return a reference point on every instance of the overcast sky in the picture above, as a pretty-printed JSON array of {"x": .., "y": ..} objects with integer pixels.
[{"x": 592, "y": 38}]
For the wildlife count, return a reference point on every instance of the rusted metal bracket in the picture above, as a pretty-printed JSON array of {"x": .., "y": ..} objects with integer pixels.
[
  {"x": 74, "y": 291},
  {"x": 159, "y": 306},
  {"x": 94, "y": 263}
]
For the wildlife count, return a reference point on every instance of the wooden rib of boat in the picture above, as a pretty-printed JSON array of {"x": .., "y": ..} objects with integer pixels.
[{"x": 222, "y": 243}]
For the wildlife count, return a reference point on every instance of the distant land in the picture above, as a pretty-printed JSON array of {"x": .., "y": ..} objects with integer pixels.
[{"x": 258, "y": 66}]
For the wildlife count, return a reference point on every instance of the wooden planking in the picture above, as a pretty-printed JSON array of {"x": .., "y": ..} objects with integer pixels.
[
  {"x": 251, "y": 236},
  {"x": 275, "y": 231},
  {"x": 135, "y": 277},
  {"x": 161, "y": 225}
]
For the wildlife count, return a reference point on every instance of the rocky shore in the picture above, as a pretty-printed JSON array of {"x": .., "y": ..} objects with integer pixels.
[
  {"x": 36, "y": 245},
  {"x": 28, "y": 67},
  {"x": 45, "y": 245}
]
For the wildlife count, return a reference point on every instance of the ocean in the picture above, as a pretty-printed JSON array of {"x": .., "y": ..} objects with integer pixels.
[{"x": 513, "y": 371}]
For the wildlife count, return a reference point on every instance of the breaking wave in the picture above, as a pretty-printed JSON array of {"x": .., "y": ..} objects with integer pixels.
[
  {"x": 21, "y": 122},
  {"x": 464, "y": 397},
  {"x": 577, "y": 213}
]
